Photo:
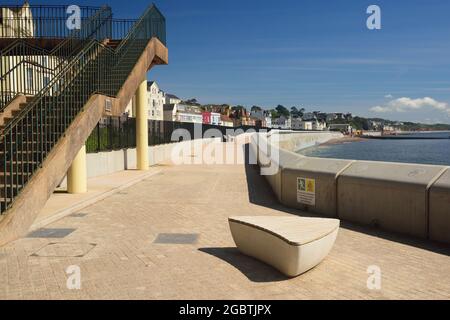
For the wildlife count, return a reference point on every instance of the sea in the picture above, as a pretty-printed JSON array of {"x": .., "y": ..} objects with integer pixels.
[{"x": 408, "y": 150}]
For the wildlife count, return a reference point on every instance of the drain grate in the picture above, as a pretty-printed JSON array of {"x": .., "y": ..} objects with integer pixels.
[
  {"x": 176, "y": 238},
  {"x": 51, "y": 233},
  {"x": 62, "y": 250},
  {"x": 78, "y": 215}
]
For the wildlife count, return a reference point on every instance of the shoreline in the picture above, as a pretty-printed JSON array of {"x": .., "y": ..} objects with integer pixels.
[
  {"x": 342, "y": 141},
  {"x": 332, "y": 142}
]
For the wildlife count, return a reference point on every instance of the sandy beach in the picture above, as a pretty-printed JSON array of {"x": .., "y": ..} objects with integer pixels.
[{"x": 345, "y": 139}]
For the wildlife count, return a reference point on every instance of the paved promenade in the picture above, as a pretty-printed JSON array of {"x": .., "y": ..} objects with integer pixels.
[{"x": 167, "y": 237}]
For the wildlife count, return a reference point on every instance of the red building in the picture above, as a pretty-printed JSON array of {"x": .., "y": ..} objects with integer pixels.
[{"x": 206, "y": 115}]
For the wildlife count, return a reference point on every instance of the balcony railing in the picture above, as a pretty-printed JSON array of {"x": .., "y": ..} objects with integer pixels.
[{"x": 40, "y": 21}]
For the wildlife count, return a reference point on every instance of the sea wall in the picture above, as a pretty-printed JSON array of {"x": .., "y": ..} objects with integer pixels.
[
  {"x": 411, "y": 199},
  {"x": 295, "y": 140}
]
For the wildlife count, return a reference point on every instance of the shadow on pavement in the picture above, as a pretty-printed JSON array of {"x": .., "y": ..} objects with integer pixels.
[{"x": 253, "y": 269}]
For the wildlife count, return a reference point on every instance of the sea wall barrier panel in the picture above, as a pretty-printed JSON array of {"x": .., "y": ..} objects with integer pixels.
[
  {"x": 323, "y": 174},
  {"x": 440, "y": 209},
  {"x": 412, "y": 199},
  {"x": 273, "y": 159},
  {"x": 276, "y": 151},
  {"x": 296, "y": 141},
  {"x": 392, "y": 196},
  {"x": 264, "y": 159}
]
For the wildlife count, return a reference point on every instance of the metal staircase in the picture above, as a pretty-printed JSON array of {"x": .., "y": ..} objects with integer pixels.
[
  {"x": 102, "y": 66},
  {"x": 23, "y": 54}
]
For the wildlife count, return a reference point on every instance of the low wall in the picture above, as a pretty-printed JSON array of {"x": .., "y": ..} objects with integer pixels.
[
  {"x": 102, "y": 163},
  {"x": 412, "y": 199},
  {"x": 440, "y": 208},
  {"x": 295, "y": 140}
]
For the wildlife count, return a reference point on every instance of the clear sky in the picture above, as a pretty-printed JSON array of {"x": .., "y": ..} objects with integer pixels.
[{"x": 317, "y": 54}]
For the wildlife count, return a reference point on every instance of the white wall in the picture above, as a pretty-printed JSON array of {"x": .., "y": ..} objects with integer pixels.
[{"x": 103, "y": 163}]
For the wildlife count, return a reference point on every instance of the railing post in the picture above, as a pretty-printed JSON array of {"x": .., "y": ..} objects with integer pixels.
[{"x": 98, "y": 137}]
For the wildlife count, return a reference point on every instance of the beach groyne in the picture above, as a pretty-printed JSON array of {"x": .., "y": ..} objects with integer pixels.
[{"x": 411, "y": 199}]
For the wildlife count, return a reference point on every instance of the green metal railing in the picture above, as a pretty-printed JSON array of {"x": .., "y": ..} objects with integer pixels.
[
  {"x": 26, "y": 68},
  {"x": 119, "y": 132},
  {"x": 29, "y": 137},
  {"x": 112, "y": 133}
]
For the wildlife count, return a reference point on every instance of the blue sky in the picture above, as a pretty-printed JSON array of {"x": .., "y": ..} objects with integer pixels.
[{"x": 312, "y": 53}]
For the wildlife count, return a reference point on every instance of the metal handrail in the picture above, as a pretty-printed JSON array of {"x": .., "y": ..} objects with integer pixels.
[
  {"x": 54, "y": 15},
  {"x": 29, "y": 137}
]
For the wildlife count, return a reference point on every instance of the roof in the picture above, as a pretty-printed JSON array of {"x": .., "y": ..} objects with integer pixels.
[
  {"x": 224, "y": 117},
  {"x": 172, "y": 96}
]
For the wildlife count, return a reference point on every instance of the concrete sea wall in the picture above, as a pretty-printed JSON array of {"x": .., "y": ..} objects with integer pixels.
[{"x": 412, "y": 199}]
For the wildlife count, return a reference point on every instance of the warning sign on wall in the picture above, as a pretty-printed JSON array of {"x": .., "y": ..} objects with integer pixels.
[{"x": 306, "y": 191}]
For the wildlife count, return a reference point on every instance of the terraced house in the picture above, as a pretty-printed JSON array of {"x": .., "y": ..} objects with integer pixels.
[{"x": 56, "y": 84}]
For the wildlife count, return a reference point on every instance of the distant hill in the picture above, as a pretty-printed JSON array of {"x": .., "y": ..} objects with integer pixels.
[{"x": 361, "y": 123}]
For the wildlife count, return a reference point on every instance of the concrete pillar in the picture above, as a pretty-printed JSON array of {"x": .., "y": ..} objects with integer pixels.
[
  {"x": 141, "y": 127},
  {"x": 76, "y": 175}
]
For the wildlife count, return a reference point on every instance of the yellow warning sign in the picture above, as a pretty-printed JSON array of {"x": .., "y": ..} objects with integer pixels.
[{"x": 310, "y": 185}]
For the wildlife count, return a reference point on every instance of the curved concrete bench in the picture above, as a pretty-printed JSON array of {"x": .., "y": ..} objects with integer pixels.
[{"x": 292, "y": 244}]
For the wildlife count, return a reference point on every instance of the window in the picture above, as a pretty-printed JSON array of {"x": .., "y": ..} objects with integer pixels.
[
  {"x": 30, "y": 78},
  {"x": 45, "y": 61}
]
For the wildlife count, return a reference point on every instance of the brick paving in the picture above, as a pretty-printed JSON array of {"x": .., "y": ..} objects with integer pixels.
[{"x": 113, "y": 244}]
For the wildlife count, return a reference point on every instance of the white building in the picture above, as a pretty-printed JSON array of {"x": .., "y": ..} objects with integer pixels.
[
  {"x": 172, "y": 99},
  {"x": 345, "y": 128},
  {"x": 268, "y": 119},
  {"x": 281, "y": 123},
  {"x": 319, "y": 126},
  {"x": 16, "y": 23},
  {"x": 23, "y": 75},
  {"x": 215, "y": 118},
  {"x": 299, "y": 124},
  {"x": 155, "y": 102},
  {"x": 156, "y": 99},
  {"x": 182, "y": 113}
]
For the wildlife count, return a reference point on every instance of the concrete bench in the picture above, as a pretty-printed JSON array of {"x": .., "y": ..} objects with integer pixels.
[{"x": 291, "y": 244}]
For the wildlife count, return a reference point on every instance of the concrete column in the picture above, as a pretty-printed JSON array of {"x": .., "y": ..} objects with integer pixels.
[
  {"x": 76, "y": 175},
  {"x": 141, "y": 127}
]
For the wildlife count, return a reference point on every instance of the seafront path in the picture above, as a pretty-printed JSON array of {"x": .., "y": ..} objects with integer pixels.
[{"x": 166, "y": 236}]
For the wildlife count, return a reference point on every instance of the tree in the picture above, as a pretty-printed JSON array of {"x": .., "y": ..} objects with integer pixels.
[
  {"x": 274, "y": 114},
  {"x": 238, "y": 111},
  {"x": 192, "y": 101},
  {"x": 256, "y": 109},
  {"x": 282, "y": 111},
  {"x": 294, "y": 111},
  {"x": 301, "y": 112}
]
